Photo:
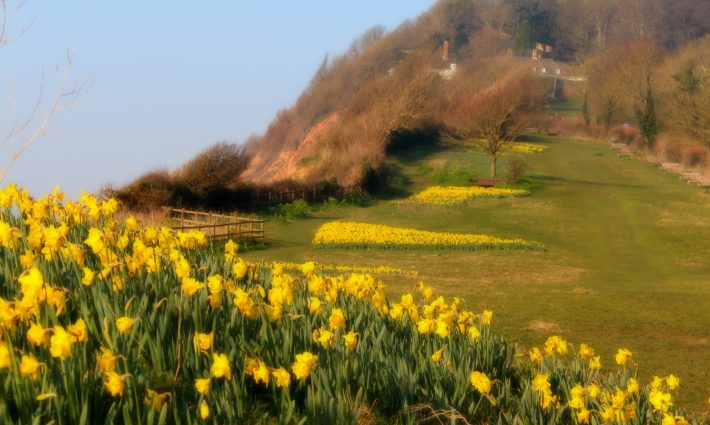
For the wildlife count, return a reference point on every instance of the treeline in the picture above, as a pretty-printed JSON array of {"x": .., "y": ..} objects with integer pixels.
[
  {"x": 654, "y": 98},
  {"x": 577, "y": 28}
]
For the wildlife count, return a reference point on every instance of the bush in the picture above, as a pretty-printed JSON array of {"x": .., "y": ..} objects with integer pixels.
[
  {"x": 381, "y": 179},
  {"x": 516, "y": 169},
  {"x": 625, "y": 133},
  {"x": 672, "y": 151},
  {"x": 297, "y": 209},
  {"x": 148, "y": 192},
  {"x": 695, "y": 156},
  {"x": 217, "y": 167}
]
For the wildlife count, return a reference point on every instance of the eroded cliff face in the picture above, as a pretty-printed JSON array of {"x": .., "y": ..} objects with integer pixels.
[{"x": 293, "y": 163}]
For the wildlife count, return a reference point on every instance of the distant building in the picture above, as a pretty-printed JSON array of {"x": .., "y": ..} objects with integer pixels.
[
  {"x": 448, "y": 74},
  {"x": 546, "y": 68},
  {"x": 540, "y": 51}
]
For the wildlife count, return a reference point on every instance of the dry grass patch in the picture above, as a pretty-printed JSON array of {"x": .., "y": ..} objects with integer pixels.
[
  {"x": 582, "y": 291},
  {"x": 544, "y": 327}
]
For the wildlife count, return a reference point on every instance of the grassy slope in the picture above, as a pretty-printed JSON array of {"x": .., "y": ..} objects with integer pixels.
[{"x": 627, "y": 262}]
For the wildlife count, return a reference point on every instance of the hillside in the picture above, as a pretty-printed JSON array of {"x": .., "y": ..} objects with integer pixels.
[{"x": 408, "y": 78}]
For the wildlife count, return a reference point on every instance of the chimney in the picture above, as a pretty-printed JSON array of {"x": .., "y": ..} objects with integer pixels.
[{"x": 446, "y": 50}]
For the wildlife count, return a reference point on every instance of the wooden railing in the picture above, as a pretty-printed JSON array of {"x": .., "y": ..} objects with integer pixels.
[
  {"x": 313, "y": 195},
  {"x": 216, "y": 226}
]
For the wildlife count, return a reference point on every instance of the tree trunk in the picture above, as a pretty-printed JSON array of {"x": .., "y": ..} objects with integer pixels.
[{"x": 493, "y": 165}]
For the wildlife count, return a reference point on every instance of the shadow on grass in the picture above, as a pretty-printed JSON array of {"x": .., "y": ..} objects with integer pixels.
[
  {"x": 534, "y": 138},
  {"x": 397, "y": 191},
  {"x": 417, "y": 153},
  {"x": 556, "y": 179}
]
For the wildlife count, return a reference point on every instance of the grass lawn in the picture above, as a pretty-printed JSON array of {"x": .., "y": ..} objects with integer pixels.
[{"x": 626, "y": 264}]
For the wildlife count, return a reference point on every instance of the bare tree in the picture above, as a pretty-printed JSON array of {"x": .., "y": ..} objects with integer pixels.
[
  {"x": 19, "y": 131},
  {"x": 493, "y": 117}
]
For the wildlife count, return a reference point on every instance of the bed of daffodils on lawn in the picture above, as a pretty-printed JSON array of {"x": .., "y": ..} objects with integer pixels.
[
  {"x": 455, "y": 195},
  {"x": 349, "y": 235},
  {"x": 107, "y": 322},
  {"x": 342, "y": 268},
  {"x": 528, "y": 147}
]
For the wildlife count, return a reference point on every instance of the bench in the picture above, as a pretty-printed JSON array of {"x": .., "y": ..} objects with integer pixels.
[
  {"x": 672, "y": 167},
  {"x": 691, "y": 177},
  {"x": 625, "y": 152},
  {"x": 489, "y": 181}
]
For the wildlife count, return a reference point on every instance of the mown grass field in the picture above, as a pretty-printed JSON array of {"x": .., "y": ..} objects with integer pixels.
[{"x": 626, "y": 264}]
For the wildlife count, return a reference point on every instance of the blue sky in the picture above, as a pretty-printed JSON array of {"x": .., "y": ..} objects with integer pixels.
[{"x": 166, "y": 79}]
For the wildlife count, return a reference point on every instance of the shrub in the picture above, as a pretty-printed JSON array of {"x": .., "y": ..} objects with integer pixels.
[
  {"x": 695, "y": 156},
  {"x": 625, "y": 133},
  {"x": 149, "y": 191},
  {"x": 672, "y": 151},
  {"x": 378, "y": 180},
  {"x": 217, "y": 167},
  {"x": 296, "y": 209},
  {"x": 516, "y": 169}
]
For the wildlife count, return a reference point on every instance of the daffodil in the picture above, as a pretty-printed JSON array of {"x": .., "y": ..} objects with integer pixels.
[
  {"x": 474, "y": 333},
  {"x": 32, "y": 285},
  {"x": 481, "y": 382},
  {"x": 5, "y": 361},
  {"x": 203, "y": 341},
  {"x": 426, "y": 326},
  {"x": 583, "y": 415},
  {"x": 556, "y": 345},
  {"x": 30, "y": 366},
  {"x": 202, "y": 385},
  {"x": 660, "y": 401},
  {"x": 204, "y": 410},
  {"x": 309, "y": 268},
  {"x": 239, "y": 269},
  {"x": 155, "y": 399},
  {"x": 106, "y": 360},
  {"x": 585, "y": 352},
  {"x": 115, "y": 383},
  {"x": 632, "y": 386},
  {"x": 336, "y": 319},
  {"x": 261, "y": 373},
  {"x": 190, "y": 286},
  {"x": 622, "y": 356},
  {"x": 541, "y": 382},
  {"x": 303, "y": 366},
  {"x": 314, "y": 305},
  {"x": 350, "y": 340},
  {"x": 37, "y": 335},
  {"x": 282, "y": 378},
  {"x": 60, "y": 343},
  {"x": 125, "y": 324},
  {"x": 536, "y": 355},
  {"x": 88, "y": 277},
  {"x": 324, "y": 337},
  {"x": 595, "y": 363},
  {"x": 438, "y": 354},
  {"x": 442, "y": 329},
  {"x": 78, "y": 330},
  {"x": 220, "y": 366},
  {"x": 486, "y": 317}
]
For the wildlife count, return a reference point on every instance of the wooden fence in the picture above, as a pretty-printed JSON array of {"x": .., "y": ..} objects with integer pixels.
[
  {"x": 216, "y": 226},
  {"x": 313, "y": 195}
]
